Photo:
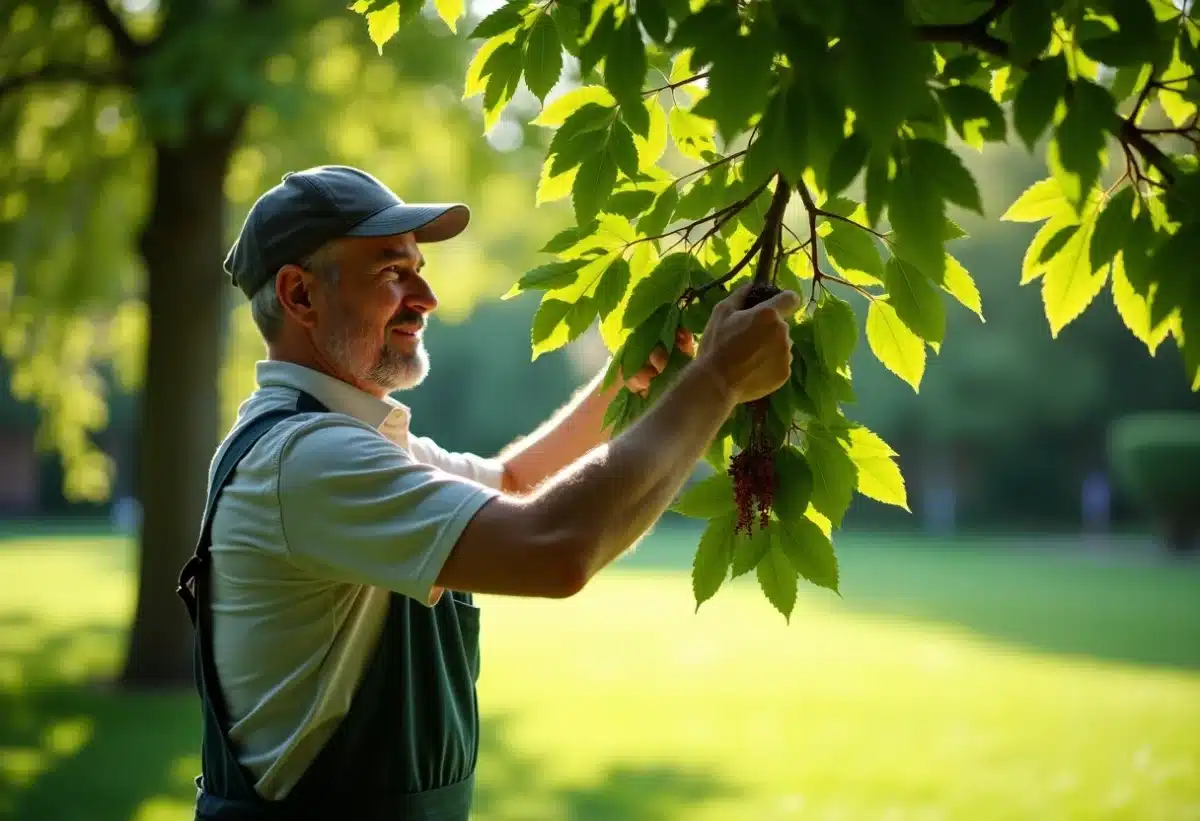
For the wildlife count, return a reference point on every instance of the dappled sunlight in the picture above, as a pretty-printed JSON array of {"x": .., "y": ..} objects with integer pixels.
[{"x": 162, "y": 808}]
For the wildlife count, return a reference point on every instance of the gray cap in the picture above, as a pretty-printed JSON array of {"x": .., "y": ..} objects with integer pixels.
[{"x": 308, "y": 208}]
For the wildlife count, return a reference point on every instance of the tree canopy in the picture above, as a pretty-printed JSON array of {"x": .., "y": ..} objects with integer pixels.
[{"x": 817, "y": 146}]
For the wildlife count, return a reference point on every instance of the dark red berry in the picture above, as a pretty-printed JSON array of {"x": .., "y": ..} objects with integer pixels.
[{"x": 759, "y": 292}]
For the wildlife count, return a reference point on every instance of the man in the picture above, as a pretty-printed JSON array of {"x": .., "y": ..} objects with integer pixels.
[{"x": 338, "y": 641}]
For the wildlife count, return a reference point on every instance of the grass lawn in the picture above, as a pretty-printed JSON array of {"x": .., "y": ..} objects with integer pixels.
[{"x": 992, "y": 681}]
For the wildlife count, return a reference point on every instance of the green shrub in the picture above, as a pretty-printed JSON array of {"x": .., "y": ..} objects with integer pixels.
[{"x": 1156, "y": 460}]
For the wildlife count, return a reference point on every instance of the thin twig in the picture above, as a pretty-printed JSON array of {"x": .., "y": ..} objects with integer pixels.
[
  {"x": 734, "y": 271},
  {"x": 676, "y": 84},
  {"x": 712, "y": 165},
  {"x": 823, "y": 213},
  {"x": 811, "y": 208}
]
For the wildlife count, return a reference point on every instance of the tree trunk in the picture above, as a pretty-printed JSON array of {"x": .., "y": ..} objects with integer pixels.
[{"x": 182, "y": 247}]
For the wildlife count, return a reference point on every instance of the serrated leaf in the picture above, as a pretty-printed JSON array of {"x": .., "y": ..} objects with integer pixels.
[
  {"x": 795, "y": 483},
  {"x": 876, "y": 186},
  {"x": 551, "y": 187},
  {"x": 476, "y": 81},
  {"x": 1034, "y": 263},
  {"x": 1075, "y": 155},
  {"x": 1037, "y": 97},
  {"x": 738, "y": 83},
  {"x": 543, "y": 57},
  {"x": 618, "y": 407},
  {"x": 834, "y": 475},
  {"x": 556, "y": 112},
  {"x": 651, "y": 146},
  {"x": 547, "y": 277},
  {"x": 593, "y": 184},
  {"x": 915, "y": 300},
  {"x": 896, "y": 347},
  {"x": 623, "y": 150},
  {"x": 879, "y": 476},
  {"x": 548, "y": 319},
  {"x": 693, "y": 135},
  {"x": 810, "y": 551},
  {"x": 947, "y": 172},
  {"x": 748, "y": 550},
  {"x": 1134, "y": 309},
  {"x": 777, "y": 577},
  {"x": 976, "y": 116},
  {"x": 383, "y": 24},
  {"x": 707, "y": 499},
  {"x": 663, "y": 286},
  {"x": 642, "y": 340},
  {"x": 584, "y": 135},
  {"x": 853, "y": 253},
  {"x": 625, "y": 65},
  {"x": 655, "y": 222},
  {"x": 1030, "y": 24},
  {"x": 917, "y": 214},
  {"x": 959, "y": 284},
  {"x": 450, "y": 11},
  {"x": 611, "y": 287},
  {"x": 848, "y": 159},
  {"x": 1112, "y": 227},
  {"x": 1069, "y": 283},
  {"x": 882, "y": 74},
  {"x": 836, "y": 331},
  {"x": 710, "y": 566},
  {"x": 1042, "y": 200},
  {"x": 508, "y": 16}
]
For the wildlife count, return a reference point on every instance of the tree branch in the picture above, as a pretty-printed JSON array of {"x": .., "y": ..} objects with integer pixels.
[
  {"x": 123, "y": 41},
  {"x": 674, "y": 85},
  {"x": 993, "y": 14},
  {"x": 734, "y": 271},
  {"x": 811, "y": 208},
  {"x": 770, "y": 233},
  {"x": 62, "y": 73}
]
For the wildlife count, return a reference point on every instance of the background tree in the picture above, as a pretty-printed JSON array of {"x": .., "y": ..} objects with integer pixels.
[
  {"x": 850, "y": 107},
  {"x": 131, "y": 150}
]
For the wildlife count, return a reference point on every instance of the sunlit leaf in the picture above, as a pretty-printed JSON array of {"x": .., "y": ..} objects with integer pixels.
[{"x": 899, "y": 350}]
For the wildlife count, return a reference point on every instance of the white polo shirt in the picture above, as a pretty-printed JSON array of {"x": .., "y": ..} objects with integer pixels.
[{"x": 325, "y": 516}]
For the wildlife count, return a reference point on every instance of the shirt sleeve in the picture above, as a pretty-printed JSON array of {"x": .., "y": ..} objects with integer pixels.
[
  {"x": 355, "y": 507},
  {"x": 488, "y": 472}
]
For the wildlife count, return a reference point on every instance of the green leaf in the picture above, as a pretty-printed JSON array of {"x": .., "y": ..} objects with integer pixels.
[
  {"x": 664, "y": 285},
  {"x": 916, "y": 212},
  {"x": 1076, "y": 153},
  {"x": 1070, "y": 284},
  {"x": 552, "y": 187},
  {"x": 650, "y": 148},
  {"x": 1173, "y": 267},
  {"x": 795, "y": 479},
  {"x": 707, "y": 499},
  {"x": 599, "y": 34},
  {"x": 810, "y": 552},
  {"x": 1112, "y": 228},
  {"x": 583, "y": 135},
  {"x": 655, "y": 222},
  {"x": 625, "y": 66},
  {"x": 836, "y": 331},
  {"x": 641, "y": 341},
  {"x": 593, "y": 183},
  {"x": 653, "y": 14},
  {"x": 550, "y": 314},
  {"x": 853, "y": 253},
  {"x": 1042, "y": 200},
  {"x": 947, "y": 171},
  {"x": 879, "y": 476},
  {"x": 383, "y": 24},
  {"x": 777, "y": 578},
  {"x": 501, "y": 20},
  {"x": 834, "y": 474},
  {"x": 1134, "y": 309},
  {"x": 896, "y": 347},
  {"x": 556, "y": 112},
  {"x": 1030, "y": 23},
  {"x": 882, "y": 67},
  {"x": 543, "y": 57},
  {"x": 915, "y": 300},
  {"x": 976, "y": 116},
  {"x": 693, "y": 135},
  {"x": 547, "y": 277},
  {"x": 749, "y": 549},
  {"x": 1036, "y": 260},
  {"x": 739, "y": 81},
  {"x": 611, "y": 288},
  {"x": 1037, "y": 97},
  {"x": 876, "y": 187},
  {"x": 848, "y": 159},
  {"x": 959, "y": 284},
  {"x": 623, "y": 150},
  {"x": 617, "y": 408},
  {"x": 710, "y": 567}
]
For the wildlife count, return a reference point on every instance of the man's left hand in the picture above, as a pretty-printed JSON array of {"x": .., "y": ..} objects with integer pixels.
[{"x": 639, "y": 383}]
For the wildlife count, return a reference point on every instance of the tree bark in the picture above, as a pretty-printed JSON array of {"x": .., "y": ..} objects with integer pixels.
[{"x": 182, "y": 247}]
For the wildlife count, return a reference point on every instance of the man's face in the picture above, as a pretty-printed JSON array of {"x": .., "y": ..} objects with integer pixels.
[{"x": 373, "y": 316}]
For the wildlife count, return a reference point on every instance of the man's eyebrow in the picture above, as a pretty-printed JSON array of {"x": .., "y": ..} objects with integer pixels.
[{"x": 389, "y": 255}]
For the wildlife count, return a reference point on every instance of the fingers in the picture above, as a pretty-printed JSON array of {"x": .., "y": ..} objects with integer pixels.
[
  {"x": 685, "y": 341},
  {"x": 734, "y": 301},
  {"x": 785, "y": 303}
]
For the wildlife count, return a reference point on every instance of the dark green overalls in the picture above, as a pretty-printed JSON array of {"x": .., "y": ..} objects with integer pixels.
[{"x": 406, "y": 750}]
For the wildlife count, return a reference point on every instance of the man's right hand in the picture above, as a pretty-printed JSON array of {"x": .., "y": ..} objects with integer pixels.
[{"x": 749, "y": 351}]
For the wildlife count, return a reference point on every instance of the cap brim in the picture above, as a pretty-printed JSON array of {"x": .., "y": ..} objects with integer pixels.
[{"x": 431, "y": 222}]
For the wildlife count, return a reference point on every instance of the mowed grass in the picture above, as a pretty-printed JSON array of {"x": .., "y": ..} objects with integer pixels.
[{"x": 994, "y": 680}]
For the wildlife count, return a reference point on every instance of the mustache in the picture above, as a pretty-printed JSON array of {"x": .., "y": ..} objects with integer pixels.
[{"x": 407, "y": 318}]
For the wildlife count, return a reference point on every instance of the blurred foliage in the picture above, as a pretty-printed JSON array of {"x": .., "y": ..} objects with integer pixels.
[
  {"x": 79, "y": 123},
  {"x": 1156, "y": 457},
  {"x": 665, "y": 227}
]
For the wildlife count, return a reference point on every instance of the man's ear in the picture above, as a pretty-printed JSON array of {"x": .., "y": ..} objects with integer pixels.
[{"x": 294, "y": 289}]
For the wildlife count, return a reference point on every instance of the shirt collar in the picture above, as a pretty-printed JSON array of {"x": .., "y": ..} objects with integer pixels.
[{"x": 387, "y": 415}]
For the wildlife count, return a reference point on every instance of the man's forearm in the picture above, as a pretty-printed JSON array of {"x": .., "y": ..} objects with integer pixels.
[
  {"x": 608, "y": 499},
  {"x": 573, "y": 431}
]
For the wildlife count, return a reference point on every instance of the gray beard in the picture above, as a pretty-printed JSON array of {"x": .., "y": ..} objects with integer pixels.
[{"x": 391, "y": 370}]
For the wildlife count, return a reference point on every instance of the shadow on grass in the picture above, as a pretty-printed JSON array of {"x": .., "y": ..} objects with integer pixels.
[
  {"x": 1054, "y": 595},
  {"x": 74, "y": 750}
]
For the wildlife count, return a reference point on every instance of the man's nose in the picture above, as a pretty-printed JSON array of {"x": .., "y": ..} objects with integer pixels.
[{"x": 420, "y": 297}]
